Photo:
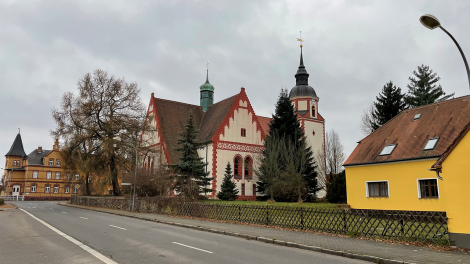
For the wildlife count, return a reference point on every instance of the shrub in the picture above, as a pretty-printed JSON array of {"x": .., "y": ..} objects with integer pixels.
[{"x": 2, "y": 201}]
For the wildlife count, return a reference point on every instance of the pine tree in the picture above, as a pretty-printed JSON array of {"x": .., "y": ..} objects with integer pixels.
[
  {"x": 423, "y": 89},
  {"x": 336, "y": 188},
  {"x": 389, "y": 103},
  {"x": 228, "y": 190},
  {"x": 286, "y": 127},
  {"x": 190, "y": 177}
]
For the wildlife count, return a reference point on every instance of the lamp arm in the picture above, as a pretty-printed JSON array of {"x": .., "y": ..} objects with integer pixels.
[{"x": 461, "y": 52}]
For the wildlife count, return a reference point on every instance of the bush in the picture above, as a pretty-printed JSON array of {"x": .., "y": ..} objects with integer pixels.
[
  {"x": 336, "y": 188},
  {"x": 2, "y": 201}
]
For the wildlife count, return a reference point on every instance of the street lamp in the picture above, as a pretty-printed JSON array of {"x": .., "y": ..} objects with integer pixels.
[{"x": 432, "y": 22}]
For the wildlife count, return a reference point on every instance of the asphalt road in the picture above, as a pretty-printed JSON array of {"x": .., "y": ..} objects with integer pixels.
[{"x": 24, "y": 239}]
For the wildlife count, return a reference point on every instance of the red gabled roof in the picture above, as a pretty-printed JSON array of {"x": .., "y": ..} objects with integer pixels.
[
  {"x": 264, "y": 122},
  {"x": 446, "y": 120},
  {"x": 213, "y": 117}
]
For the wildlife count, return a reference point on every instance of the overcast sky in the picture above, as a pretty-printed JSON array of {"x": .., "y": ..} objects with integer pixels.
[{"x": 351, "y": 49}]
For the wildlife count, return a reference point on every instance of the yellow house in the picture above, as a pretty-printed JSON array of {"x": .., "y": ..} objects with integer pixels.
[
  {"x": 37, "y": 176},
  {"x": 417, "y": 161}
]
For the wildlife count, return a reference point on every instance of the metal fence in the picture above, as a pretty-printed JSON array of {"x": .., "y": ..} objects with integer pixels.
[
  {"x": 12, "y": 197},
  {"x": 403, "y": 225}
]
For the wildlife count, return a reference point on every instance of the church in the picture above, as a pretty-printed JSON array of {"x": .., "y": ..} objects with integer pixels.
[{"x": 230, "y": 130}]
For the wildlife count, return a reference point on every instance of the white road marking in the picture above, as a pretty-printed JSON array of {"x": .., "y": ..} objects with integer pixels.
[
  {"x": 73, "y": 240},
  {"x": 64, "y": 212},
  {"x": 192, "y": 247},
  {"x": 84, "y": 218},
  {"x": 118, "y": 227}
]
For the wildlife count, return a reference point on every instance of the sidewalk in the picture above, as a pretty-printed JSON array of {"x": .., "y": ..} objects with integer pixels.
[{"x": 348, "y": 247}]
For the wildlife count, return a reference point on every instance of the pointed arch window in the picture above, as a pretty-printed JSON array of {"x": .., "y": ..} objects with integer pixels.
[
  {"x": 237, "y": 167},
  {"x": 248, "y": 167}
]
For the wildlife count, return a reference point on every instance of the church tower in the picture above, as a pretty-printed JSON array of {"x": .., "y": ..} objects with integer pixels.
[
  {"x": 207, "y": 93},
  {"x": 305, "y": 101}
]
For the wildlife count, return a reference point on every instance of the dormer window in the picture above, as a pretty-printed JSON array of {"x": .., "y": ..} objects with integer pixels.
[
  {"x": 417, "y": 116},
  {"x": 388, "y": 150},
  {"x": 431, "y": 144}
]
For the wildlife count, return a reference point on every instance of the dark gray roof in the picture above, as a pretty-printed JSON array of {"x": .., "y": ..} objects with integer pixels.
[
  {"x": 302, "y": 90},
  {"x": 35, "y": 158},
  {"x": 17, "y": 147}
]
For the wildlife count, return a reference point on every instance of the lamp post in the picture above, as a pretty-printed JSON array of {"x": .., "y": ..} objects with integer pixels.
[{"x": 432, "y": 22}]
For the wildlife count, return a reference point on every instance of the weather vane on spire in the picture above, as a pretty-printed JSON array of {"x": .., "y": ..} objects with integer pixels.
[
  {"x": 207, "y": 64},
  {"x": 300, "y": 39}
]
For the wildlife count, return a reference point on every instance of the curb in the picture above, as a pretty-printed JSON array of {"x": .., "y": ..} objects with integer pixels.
[{"x": 261, "y": 239}]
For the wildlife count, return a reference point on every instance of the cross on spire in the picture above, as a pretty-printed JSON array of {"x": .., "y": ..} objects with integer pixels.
[{"x": 300, "y": 39}]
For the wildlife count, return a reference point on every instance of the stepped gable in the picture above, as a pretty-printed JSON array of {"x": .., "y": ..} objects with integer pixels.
[
  {"x": 214, "y": 117},
  {"x": 448, "y": 120},
  {"x": 264, "y": 122},
  {"x": 17, "y": 147},
  {"x": 173, "y": 116},
  {"x": 36, "y": 158}
]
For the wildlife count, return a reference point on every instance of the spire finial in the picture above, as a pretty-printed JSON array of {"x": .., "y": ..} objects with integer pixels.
[
  {"x": 207, "y": 64},
  {"x": 19, "y": 130},
  {"x": 300, "y": 39}
]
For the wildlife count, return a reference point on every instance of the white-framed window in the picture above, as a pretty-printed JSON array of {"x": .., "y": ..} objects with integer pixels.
[
  {"x": 67, "y": 189},
  {"x": 51, "y": 162},
  {"x": 57, "y": 163},
  {"x": 33, "y": 188},
  {"x": 56, "y": 189},
  {"x": 90, "y": 179},
  {"x": 428, "y": 188},
  {"x": 377, "y": 189},
  {"x": 388, "y": 150},
  {"x": 57, "y": 175},
  {"x": 48, "y": 175},
  {"x": 47, "y": 189},
  {"x": 35, "y": 174},
  {"x": 77, "y": 177}
]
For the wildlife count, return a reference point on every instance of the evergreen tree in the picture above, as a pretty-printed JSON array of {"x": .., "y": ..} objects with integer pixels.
[
  {"x": 389, "y": 103},
  {"x": 190, "y": 177},
  {"x": 286, "y": 127},
  {"x": 228, "y": 190},
  {"x": 336, "y": 188},
  {"x": 423, "y": 89}
]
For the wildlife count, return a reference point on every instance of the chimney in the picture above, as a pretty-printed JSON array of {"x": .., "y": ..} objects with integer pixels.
[{"x": 39, "y": 149}]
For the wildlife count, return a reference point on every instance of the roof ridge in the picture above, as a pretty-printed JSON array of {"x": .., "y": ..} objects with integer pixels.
[
  {"x": 44, "y": 150},
  {"x": 175, "y": 102}
]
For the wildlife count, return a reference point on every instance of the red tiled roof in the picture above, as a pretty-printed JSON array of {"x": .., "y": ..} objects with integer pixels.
[
  {"x": 264, "y": 122},
  {"x": 446, "y": 120},
  {"x": 213, "y": 117}
]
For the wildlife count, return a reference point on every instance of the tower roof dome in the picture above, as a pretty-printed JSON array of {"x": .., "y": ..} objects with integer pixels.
[
  {"x": 207, "y": 86},
  {"x": 301, "y": 78}
]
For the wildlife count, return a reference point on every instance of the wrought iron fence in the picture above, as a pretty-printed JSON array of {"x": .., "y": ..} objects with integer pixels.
[{"x": 403, "y": 225}]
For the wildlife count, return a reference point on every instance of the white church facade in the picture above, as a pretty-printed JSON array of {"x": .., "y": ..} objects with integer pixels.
[{"x": 230, "y": 130}]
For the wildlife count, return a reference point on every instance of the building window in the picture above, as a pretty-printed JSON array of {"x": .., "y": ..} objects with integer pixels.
[
  {"x": 90, "y": 179},
  {"x": 67, "y": 189},
  {"x": 431, "y": 144},
  {"x": 51, "y": 162},
  {"x": 428, "y": 188},
  {"x": 47, "y": 189},
  {"x": 313, "y": 110},
  {"x": 48, "y": 175},
  {"x": 57, "y": 163},
  {"x": 56, "y": 189},
  {"x": 33, "y": 188},
  {"x": 254, "y": 189},
  {"x": 388, "y": 149},
  {"x": 57, "y": 175},
  {"x": 237, "y": 167},
  {"x": 243, "y": 132},
  {"x": 68, "y": 177},
  {"x": 35, "y": 174},
  {"x": 377, "y": 189},
  {"x": 243, "y": 189},
  {"x": 248, "y": 167},
  {"x": 77, "y": 177}
]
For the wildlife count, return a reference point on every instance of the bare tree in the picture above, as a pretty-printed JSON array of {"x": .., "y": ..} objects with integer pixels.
[
  {"x": 320, "y": 161},
  {"x": 334, "y": 153},
  {"x": 105, "y": 108},
  {"x": 367, "y": 120}
]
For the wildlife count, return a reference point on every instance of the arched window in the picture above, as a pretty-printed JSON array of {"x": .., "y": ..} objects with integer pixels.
[
  {"x": 248, "y": 167},
  {"x": 313, "y": 110},
  {"x": 237, "y": 167}
]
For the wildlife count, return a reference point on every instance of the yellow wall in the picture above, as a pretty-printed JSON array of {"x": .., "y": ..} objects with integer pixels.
[
  {"x": 456, "y": 175},
  {"x": 403, "y": 187}
]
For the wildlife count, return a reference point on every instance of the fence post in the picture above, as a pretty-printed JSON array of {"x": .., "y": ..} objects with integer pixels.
[
  {"x": 302, "y": 217},
  {"x": 267, "y": 215},
  {"x": 345, "y": 226},
  {"x": 239, "y": 214}
]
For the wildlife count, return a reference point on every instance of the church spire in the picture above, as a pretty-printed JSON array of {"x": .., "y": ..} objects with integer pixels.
[
  {"x": 207, "y": 92},
  {"x": 301, "y": 77},
  {"x": 17, "y": 147}
]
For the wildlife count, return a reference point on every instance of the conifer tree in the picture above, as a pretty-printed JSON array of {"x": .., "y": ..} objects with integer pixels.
[
  {"x": 423, "y": 89},
  {"x": 228, "y": 190},
  {"x": 286, "y": 127},
  {"x": 190, "y": 177},
  {"x": 389, "y": 103}
]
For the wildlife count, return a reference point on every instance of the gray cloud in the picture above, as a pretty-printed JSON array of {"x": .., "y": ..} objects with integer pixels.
[{"x": 351, "y": 49}]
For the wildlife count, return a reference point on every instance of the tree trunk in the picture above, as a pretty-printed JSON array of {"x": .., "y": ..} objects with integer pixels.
[{"x": 114, "y": 176}]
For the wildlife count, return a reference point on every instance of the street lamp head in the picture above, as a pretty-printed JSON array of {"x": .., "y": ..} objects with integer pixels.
[{"x": 430, "y": 21}]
